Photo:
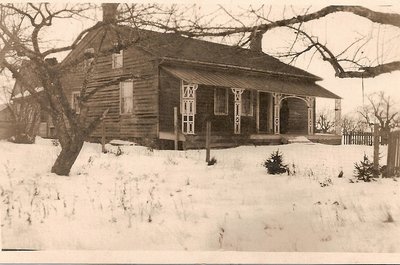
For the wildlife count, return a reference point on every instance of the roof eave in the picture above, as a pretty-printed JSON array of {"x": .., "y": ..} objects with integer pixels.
[{"x": 313, "y": 77}]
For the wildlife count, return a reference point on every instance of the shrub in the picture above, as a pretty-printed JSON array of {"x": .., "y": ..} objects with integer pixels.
[
  {"x": 364, "y": 170},
  {"x": 212, "y": 161},
  {"x": 326, "y": 182},
  {"x": 274, "y": 164},
  {"x": 117, "y": 152}
]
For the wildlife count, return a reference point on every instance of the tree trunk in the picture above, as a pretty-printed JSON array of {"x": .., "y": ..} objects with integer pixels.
[{"x": 67, "y": 157}]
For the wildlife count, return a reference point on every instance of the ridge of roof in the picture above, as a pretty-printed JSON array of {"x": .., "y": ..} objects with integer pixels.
[
  {"x": 165, "y": 40},
  {"x": 173, "y": 45}
]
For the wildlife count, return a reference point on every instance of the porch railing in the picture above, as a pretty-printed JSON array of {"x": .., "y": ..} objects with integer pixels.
[{"x": 358, "y": 138}]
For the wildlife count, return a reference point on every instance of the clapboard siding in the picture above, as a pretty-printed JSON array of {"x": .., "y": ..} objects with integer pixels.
[
  {"x": 169, "y": 98},
  {"x": 6, "y": 129},
  {"x": 139, "y": 67},
  {"x": 222, "y": 124},
  {"x": 297, "y": 118}
]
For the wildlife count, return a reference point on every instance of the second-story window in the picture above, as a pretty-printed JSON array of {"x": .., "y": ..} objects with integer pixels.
[
  {"x": 89, "y": 57},
  {"x": 117, "y": 59}
]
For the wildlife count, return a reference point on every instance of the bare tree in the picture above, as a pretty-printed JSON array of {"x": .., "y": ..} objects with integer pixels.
[
  {"x": 352, "y": 62},
  {"x": 354, "y": 123},
  {"x": 20, "y": 30},
  {"x": 381, "y": 110},
  {"x": 22, "y": 27},
  {"x": 24, "y": 112},
  {"x": 325, "y": 122}
]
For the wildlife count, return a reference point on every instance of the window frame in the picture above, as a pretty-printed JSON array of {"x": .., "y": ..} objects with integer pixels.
[
  {"x": 88, "y": 61},
  {"x": 216, "y": 112},
  {"x": 75, "y": 106},
  {"x": 120, "y": 97},
  {"x": 114, "y": 57},
  {"x": 251, "y": 113}
]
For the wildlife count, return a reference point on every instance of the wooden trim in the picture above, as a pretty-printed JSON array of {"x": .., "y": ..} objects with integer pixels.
[
  {"x": 121, "y": 53},
  {"x": 270, "y": 127},
  {"x": 120, "y": 98},
  {"x": 258, "y": 111}
]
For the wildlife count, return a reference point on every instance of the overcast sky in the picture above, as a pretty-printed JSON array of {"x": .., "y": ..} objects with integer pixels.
[{"x": 337, "y": 30}]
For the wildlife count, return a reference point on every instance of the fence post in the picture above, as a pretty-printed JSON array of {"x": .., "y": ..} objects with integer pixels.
[
  {"x": 176, "y": 133},
  {"x": 390, "y": 168},
  {"x": 103, "y": 135},
  {"x": 208, "y": 138},
  {"x": 376, "y": 150}
]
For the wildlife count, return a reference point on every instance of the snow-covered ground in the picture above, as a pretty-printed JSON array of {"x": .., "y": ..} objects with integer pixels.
[{"x": 142, "y": 199}]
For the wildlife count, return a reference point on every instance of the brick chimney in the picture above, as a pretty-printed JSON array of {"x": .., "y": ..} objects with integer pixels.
[
  {"x": 109, "y": 12},
  {"x": 256, "y": 41}
]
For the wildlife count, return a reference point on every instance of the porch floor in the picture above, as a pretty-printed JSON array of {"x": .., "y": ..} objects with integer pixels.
[{"x": 224, "y": 141}]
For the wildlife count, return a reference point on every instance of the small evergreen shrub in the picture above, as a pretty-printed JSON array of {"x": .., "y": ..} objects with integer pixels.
[
  {"x": 117, "y": 152},
  {"x": 364, "y": 170},
  {"x": 326, "y": 182},
  {"x": 274, "y": 164}
]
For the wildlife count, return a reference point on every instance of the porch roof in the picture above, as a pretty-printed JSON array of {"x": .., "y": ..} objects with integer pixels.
[{"x": 248, "y": 80}]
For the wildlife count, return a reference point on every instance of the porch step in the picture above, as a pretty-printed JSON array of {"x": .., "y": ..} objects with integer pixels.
[{"x": 295, "y": 139}]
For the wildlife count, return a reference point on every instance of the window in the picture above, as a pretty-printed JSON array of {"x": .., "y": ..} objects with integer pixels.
[
  {"x": 75, "y": 101},
  {"x": 117, "y": 59},
  {"x": 221, "y": 101},
  {"x": 126, "y": 92},
  {"x": 247, "y": 104},
  {"x": 89, "y": 57}
]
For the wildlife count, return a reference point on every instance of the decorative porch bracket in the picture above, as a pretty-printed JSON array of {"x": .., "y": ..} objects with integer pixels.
[
  {"x": 277, "y": 108},
  {"x": 310, "y": 118},
  {"x": 338, "y": 110},
  {"x": 310, "y": 111},
  {"x": 188, "y": 107},
  {"x": 238, "y": 108}
]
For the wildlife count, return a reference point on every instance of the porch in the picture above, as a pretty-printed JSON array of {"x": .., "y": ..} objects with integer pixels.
[{"x": 243, "y": 108}]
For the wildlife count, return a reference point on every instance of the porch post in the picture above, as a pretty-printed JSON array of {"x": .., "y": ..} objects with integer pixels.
[
  {"x": 238, "y": 108},
  {"x": 258, "y": 112},
  {"x": 188, "y": 107},
  {"x": 310, "y": 119},
  {"x": 277, "y": 108},
  {"x": 338, "y": 110}
]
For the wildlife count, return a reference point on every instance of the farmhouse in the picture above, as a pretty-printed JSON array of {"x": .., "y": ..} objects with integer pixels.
[{"x": 249, "y": 96}]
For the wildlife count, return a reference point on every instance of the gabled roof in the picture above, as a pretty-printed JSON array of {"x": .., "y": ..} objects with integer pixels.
[
  {"x": 175, "y": 46},
  {"x": 171, "y": 45}
]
